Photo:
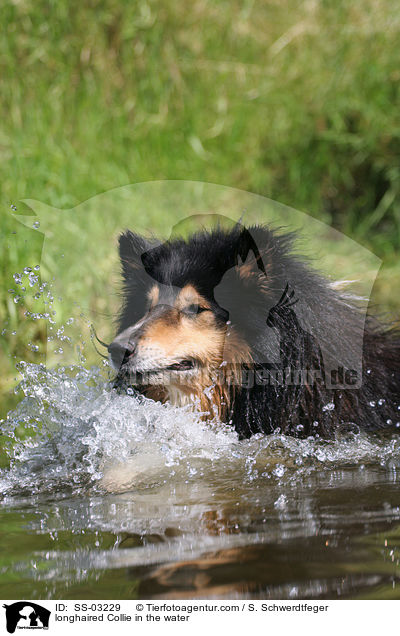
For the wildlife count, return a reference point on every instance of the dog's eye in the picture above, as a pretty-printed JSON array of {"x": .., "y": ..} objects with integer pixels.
[{"x": 193, "y": 309}]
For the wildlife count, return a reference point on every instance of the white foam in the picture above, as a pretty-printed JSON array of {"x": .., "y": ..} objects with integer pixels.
[{"x": 81, "y": 436}]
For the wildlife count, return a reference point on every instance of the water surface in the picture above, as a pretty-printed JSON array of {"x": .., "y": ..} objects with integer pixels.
[{"x": 110, "y": 496}]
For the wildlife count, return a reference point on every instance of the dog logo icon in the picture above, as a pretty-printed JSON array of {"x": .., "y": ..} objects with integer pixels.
[{"x": 26, "y": 615}]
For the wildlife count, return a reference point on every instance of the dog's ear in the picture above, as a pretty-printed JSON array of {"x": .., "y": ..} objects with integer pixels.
[
  {"x": 131, "y": 248},
  {"x": 259, "y": 249},
  {"x": 248, "y": 268},
  {"x": 249, "y": 260}
]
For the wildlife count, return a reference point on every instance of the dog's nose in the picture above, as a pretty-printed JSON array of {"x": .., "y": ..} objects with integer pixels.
[{"x": 118, "y": 353}]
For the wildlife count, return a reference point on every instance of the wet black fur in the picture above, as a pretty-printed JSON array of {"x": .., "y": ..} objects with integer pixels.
[{"x": 208, "y": 260}]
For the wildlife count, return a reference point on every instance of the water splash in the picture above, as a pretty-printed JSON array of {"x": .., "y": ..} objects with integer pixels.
[{"x": 72, "y": 433}]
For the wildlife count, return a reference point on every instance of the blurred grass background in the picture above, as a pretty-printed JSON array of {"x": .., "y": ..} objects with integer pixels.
[{"x": 297, "y": 101}]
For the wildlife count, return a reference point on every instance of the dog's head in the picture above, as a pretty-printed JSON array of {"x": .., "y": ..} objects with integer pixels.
[{"x": 190, "y": 310}]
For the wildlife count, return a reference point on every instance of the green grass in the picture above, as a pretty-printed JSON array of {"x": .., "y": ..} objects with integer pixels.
[{"x": 297, "y": 101}]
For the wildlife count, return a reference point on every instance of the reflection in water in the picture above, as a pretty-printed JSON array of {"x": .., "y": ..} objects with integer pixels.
[{"x": 110, "y": 496}]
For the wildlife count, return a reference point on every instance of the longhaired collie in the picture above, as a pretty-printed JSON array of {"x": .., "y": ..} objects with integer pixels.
[{"x": 235, "y": 322}]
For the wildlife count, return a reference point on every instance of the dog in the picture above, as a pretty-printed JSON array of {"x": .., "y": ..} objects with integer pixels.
[{"x": 236, "y": 323}]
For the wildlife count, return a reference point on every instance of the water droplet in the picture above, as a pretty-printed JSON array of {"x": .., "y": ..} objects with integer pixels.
[
  {"x": 16, "y": 299},
  {"x": 328, "y": 407},
  {"x": 281, "y": 501},
  {"x": 36, "y": 268},
  {"x": 381, "y": 401},
  {"x": 33, "y": 279},
  {"x": 372, "y": 403},
  {"x": 36, "y": 225},
  {"x": 13, "y": 207},
  {"x": 279, "y": 471},
  {"x": 208, "y": 391},
  {"x": 18, "y": 278}
]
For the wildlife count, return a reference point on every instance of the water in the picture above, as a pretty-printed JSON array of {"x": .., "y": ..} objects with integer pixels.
[{"x": 111, "y": 496}]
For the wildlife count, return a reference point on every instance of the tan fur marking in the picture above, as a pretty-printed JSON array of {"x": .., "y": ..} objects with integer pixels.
[
  {"x": 248, "y": 268},
  {"x": 190, "y": 296},
  {"x": 177, "y": 337},
  {"x": 245, "y": 271},
  {"x": 153, "y": 295}
]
